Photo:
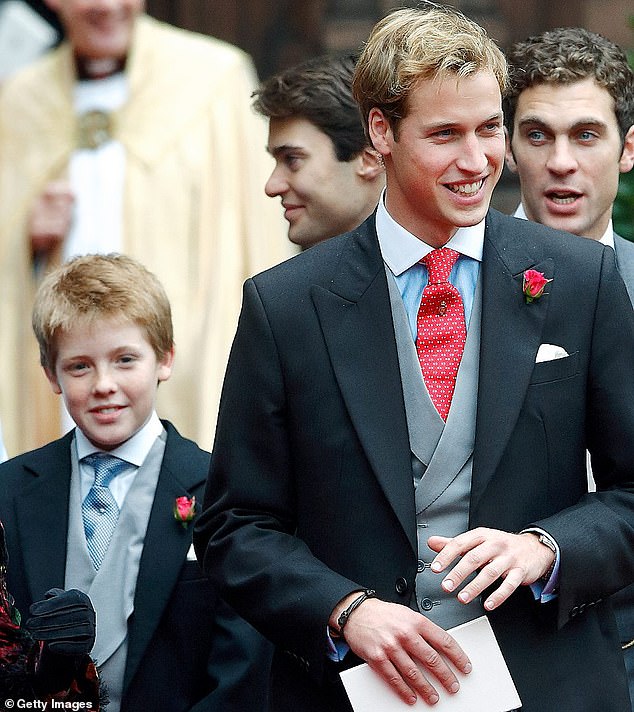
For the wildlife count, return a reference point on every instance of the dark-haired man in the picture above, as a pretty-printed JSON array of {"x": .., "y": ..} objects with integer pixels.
[{"x": 326, "y": 173}]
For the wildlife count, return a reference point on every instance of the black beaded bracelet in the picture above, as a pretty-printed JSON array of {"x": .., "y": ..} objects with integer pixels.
[{"x": 345, "y": 615}]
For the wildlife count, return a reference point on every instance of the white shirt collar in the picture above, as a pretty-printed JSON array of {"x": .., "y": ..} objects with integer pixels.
[
  {"x": 606, "y": 239},
  {"x": 134, "y": 450},
  {"x": 401, "y": 249}
]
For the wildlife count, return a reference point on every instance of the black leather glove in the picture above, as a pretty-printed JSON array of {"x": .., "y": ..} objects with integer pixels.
[{"x": 65, "y": 621}]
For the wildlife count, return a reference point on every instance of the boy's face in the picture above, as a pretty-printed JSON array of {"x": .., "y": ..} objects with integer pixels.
[
  {"x": 447, "y": 158},
  {"x": 108, "y": 374},
  {"x": 566, "y": 149},
  {"x": 321, "y": 196},
  {"x": 98, "y": 29}
]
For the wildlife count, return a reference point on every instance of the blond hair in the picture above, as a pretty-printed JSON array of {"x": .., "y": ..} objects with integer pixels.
[
  {"x": 414, "y": 44},
  {"x": 94, "y": 287}
]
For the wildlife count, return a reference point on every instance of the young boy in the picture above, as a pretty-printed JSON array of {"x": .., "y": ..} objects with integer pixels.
[{"x": 120, "y": 530}]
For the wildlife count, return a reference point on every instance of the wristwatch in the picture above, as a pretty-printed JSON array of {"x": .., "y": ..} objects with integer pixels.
[{"x": 546, "y": 540}]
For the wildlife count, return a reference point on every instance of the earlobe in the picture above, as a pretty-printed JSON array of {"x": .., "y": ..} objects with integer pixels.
[
  {"x": 370, "y": 164},
  {"x": 626, "y": 161},
  {"x": 52, "y": 379}
]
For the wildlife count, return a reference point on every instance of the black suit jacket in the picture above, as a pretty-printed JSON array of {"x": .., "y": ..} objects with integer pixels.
[
  {"x": 187, "y": 650},
  {"x": 311, "y": 496}
]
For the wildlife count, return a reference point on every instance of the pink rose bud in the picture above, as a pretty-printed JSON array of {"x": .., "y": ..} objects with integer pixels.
[
  {"x": 533, "y": 285},
  {"x": 184, "y": 509}
]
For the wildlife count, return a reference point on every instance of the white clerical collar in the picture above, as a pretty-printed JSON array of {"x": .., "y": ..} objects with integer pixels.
[
  {"x": 134, "y": 450},
  {"x": 401, "y": 249},
  {"x": 606, "y": 239}
]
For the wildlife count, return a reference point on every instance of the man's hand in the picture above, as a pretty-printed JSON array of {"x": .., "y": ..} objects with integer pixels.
[
  {"x": 406, "y": 649},
  {"x": 516, "y": 559},
  {"x": 50, "y": 218}
]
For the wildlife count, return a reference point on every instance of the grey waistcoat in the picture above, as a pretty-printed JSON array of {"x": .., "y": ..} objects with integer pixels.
[
  {"x": 112, "y": 588},
  {"x": 442, "y": 458}
]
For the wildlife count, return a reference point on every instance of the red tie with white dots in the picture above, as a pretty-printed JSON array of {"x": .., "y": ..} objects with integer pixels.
[{"x": 441, "y": 329}]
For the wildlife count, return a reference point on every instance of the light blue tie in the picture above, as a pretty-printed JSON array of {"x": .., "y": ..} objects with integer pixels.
[{"x": 99, "y": 510}]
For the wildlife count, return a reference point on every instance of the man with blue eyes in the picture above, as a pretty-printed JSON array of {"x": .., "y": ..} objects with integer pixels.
[{"x": 569, "y": 117}]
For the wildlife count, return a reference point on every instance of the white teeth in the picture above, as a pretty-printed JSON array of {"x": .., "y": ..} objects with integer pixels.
[
  {"x": 107, "y": 410},
  {"x": 563, "y": 201},
  {"x": 467, "y": 189}
]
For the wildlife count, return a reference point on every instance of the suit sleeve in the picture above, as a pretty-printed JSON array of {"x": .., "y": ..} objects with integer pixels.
[
  {"x": 246, "y": 537},
  {"x": 598, "y": 531}
]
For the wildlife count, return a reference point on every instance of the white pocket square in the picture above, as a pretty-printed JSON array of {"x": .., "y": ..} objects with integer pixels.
[
  {"x": 191, "y": 554},
  {"x": 550, "y": 352}
]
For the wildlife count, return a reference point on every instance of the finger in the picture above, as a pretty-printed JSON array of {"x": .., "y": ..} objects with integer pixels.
[
  {"x": 59, "y": 600},
  {"x": 405, "y": 678},
  {"x": 443, "y": 642},
  {"x": 434, "y": 663},
  {"x": 454, "y": 548},
  {"x": 82, "y": 647},
  {"x": 437, "y": 543},
  {"x": 510, "y": 584},
  {"x": 472, "y": 562}
]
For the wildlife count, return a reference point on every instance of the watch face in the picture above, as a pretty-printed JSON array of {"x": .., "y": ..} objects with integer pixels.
[{"x": 547, "y": 542}]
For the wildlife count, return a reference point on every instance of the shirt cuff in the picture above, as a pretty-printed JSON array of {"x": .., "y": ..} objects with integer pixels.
[{"x": 337, "y": 648}]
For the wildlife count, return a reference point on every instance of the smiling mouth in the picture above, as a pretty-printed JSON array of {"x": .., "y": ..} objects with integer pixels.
[
  {"x": 467, "y": 188},
  {"x": 563, "y": 198},
  {"x": 107, "y": 410}
]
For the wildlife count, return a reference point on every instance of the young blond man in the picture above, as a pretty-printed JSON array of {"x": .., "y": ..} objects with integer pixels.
[
  {"x": 164, "y": 640},
  {"x": 387, "y": 488}
]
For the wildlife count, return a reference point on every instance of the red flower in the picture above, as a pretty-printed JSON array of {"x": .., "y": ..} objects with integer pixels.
[
  {"x": 184, "y": 510},
  {"x": 533, "y": 284}
]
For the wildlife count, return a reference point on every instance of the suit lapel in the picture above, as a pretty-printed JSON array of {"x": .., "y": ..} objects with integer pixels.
[
  {"x": 511, "y": 335},
  {"x": 166, "y": 542},
  {"x": 41, "y": 511},
  {"x": 356, "y": 321}
]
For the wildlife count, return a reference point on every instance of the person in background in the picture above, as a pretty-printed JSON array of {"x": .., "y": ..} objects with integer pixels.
[
  {"x": 402, "y": 435},
  {"x": 570, "y": 134},
  {"x": 110, "y": 507},
  {"x": 133, "y": 137},
  {"x": 326, "y": 173}
]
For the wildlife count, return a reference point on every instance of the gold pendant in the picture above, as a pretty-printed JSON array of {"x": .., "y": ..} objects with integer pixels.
[{"x": 95, "y": 129}]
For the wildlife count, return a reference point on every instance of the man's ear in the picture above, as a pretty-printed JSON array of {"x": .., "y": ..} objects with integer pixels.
[
  {"x": 52, "y": 379},
  {"x": 369, "y": 164},
  {"x": 508, "y": 153},
  {"x": 380, "y": 132},
  {"x": 626, "y": 162}
]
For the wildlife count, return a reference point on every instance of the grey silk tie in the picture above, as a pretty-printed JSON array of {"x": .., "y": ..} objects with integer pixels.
[{"x": 99, "y": 510}]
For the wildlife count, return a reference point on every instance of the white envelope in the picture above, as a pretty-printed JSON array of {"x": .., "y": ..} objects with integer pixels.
[
  {"x": 487, "y": 688},
  {"x": 550, "y": 352}
]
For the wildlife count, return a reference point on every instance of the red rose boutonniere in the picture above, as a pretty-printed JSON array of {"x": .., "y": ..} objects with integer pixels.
[
  {"x": 184, "y": 510},
  {"x": 533, "y": 285}
]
